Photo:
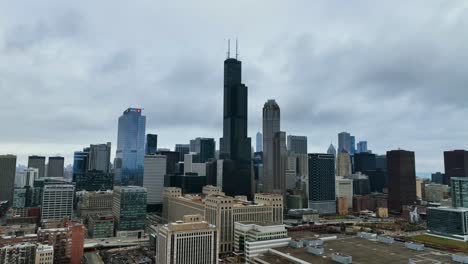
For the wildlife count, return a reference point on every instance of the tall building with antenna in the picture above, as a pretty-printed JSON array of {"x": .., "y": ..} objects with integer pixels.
[{"x": 235, "y": 146}]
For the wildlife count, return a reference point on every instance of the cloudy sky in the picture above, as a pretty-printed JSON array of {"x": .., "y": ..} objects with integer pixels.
[{"x": 394, "y": 73}]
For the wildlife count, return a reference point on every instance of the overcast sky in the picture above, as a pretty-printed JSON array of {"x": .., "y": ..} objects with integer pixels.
[{"x": 394, "y": 73}]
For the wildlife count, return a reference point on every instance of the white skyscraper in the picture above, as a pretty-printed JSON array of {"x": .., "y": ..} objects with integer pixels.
[
  {"x": 153, "y": 177},
  {"x": 57, "y": 201}
]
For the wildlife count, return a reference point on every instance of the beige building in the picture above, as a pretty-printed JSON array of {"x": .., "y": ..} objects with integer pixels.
[
  {"x": 44, "y": 254},
  {"x": 420, "y": 188},
  {"x": 223, "y": 211},
  {"x": 344, "y": 188},
  {"x": 190, "y": 241},
  {"x": 436, "y": 192},
  {"x": 343, "y": 164},
  {"x": 95, "y": 202}
]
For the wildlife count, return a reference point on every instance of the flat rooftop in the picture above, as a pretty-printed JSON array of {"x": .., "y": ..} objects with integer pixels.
[{"x": 365, "y": 252}]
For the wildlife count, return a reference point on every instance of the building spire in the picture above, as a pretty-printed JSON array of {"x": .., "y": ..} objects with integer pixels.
[
  {"x": 229, "y": 48},
  {"x": 237, "y": 54}
]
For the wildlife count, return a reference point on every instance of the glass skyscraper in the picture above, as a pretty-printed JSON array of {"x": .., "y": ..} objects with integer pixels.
[{"x": 130, "y": 155}]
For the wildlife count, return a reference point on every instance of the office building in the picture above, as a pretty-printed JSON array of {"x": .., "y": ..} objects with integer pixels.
[
  {"x": 193, "y": 164},
  {"x": 94, "y": 181},
  {"x": 343, "y": 164},
  {"x": 255, "y": 238},
  {"x": 23, "y": 253},
  {"x": 190, "y": 241},
  {"x": 222, "y": 211},
  {"x": 437, "y": 192},
  {"x": 322, "y": 183},
  {"x": 55, "y": 167},
  {"x": 280, "y": 163},
  {"x": 459, "y": 191},
  {"x": 37, "y": 162},
  {"x": 352, "y": 146},
  {"x": 172, "y": 158},
  {"x": 80, "y": 163},
  {"x": 130, "y": 155},
  {"x": 456, "y": 164},
  {"x": 297, "y": 144},
  {"x": 7, "y": 177},
  {"x": 129, "y": 210},
  {"x": 361, "y": 185},
  {"x": 100, "y": 225},
  {"x": 344, "y": 188},
  {"x": 362, "y": 147},
  {"x": 26, "y": 177},
  {"x": 375, "y": 167},
  {"x": 259, "y": 142},
  {"x": 182, "y": 149},
  {"x": 344, "y": 142},
  {"x": 57, "y": 202},
  {"x": 44, "y": 254},
  {"x": 99, "y": 157},
  {"x": 271, "y": 127},
  {"x": 153, "y": 178},
  {"x": 437, "y": 177},
  {"x": 95, "y": 202},
  {"x": 235, "y": 146},
  {"x": 151, "y": 144},
  {"x": 401, "y": 179},
  {"x": 331, "y": 150},
  {"x": 19, "y": 197},
  {"x": 448, "y": 222},
  {"x": 204, "y": 147},
  {"x": 420, "y": 189},
  {"x": 68, "y": 242},
  {"x": 189, "y": 183}
]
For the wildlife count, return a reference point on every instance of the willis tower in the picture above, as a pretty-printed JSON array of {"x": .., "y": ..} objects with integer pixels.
[{"x": 235, "y": 146}]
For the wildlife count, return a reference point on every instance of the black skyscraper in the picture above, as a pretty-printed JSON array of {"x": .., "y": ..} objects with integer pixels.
[
  {"x": 456, "y": 164},
  {"x": 401, "y": 179},
  {"x": 235, "y": 146},
  {"x": 151, "y": 144}
]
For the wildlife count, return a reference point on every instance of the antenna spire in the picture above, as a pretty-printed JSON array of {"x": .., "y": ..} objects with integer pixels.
[
  {"x": 229, "y": 48},
  {"x": 237, "y": 54}
]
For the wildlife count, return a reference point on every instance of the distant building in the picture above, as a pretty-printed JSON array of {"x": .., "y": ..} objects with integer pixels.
[
  {"x": 448, "y": 222},
  {"x": 280, "y": 160},
  {"x": 352, "y": 146},
  {"x": 19, "y": 197},
  {"x": 95, "y": 203},
  {"x": 361, "y": 185},
  {"x": 271, "y": 126},
  {"x": 259, "y": 142},
  {"x": 438, "y": 177},
  {"x": 331, "y": 150},
  {"x": 193, "y": 164},
  {"x": 362, "y": 146},
  {"x": 94, "y": 181},
  {"x": 297, "y": 144},
  {"x": 130, "y": 154},
  {"x": 151, "y": 144},
  {"x": 343, "y": 164},
  {"x": 57, "y": 202},
  {"x": 172, "y": 158},
  {"x": 55, "y": 167},
  {"x": 344, "y": 142},
  {"x": 7, "y": 177},
  {"x": 99, "y": 157},
  {"x": 189, "y": 241},
  {"x": 204, "y": 147},
  {"x": 129, "y": 210},
  {"x": 182, "y": 149},
  {"x": 438, "y": 192},
  {"x": 401, "y": 178},
  {"x": 37, "y": 162},
  {"x": 344, "y": 188},
  {"x": 322, "y": 183},
  {"x": 80, "y": 163},
  {"x": 153, "y": 177},
  {"x": 456, "y": 164}
]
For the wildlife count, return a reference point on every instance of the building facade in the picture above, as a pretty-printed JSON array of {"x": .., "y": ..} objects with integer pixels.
[
  {"x": 297, "y": 144},
  {"x": 401, "y": 179},
  {"x": 322, "y": 183},
  {"x": 44, "y": 254},
  {"x": 456, "y": 164},
  {"x": 99, "y": 157},
  {"x": 101, "y": 226},
  {"x": 55, "y": 167},
  {"x": 57, "y": 202},
  {"x": 344, "y": 188},
  {"x": 153, "y": 177},
  {"x": 7, "y": 177},
  {"x": 259, "y": 142},
  {"x": 448, "y": 222},
  {"x": 129, "y": 208},
  {"x": 95, "y": 202},
  {"x": 204, "y": 147},
  {"x": 271, "y": 126},
  {"x": 37, "y": 162},
  {"x": 343, "y": 164},
  {"x": 151, "y": 144}
]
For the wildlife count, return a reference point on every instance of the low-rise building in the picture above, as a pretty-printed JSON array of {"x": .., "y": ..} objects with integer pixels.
[
  {"x": 44, "y": 254},
  {"x": 448, "y": 221},
  {"x": 100, "y": 225}
]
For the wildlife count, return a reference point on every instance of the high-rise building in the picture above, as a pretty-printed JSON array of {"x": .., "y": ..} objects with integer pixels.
[
  {"x": 153, "y": 178},
  {"x": 99, "y": 157},
  {"x": 331, "y": 150},
  {"x": 322, "y": 183},
  {"x": 297, "y": 144},
  {"x": 193, "y": 164},
  {"x": 37, "y": 162},
  {"x": 172, "y": 158},
  {"x": 129, "y": 210},
  {"x": 459, "y": 191},
  {"x": 130, "y": 155},
  {"x": 55, "y": 167},
  {"x": 437, "y": 177},
  {"x": 182, "y": 149},
  {"x": 235, "y": 146},
  {"x": 205, "y": 147},
  {"x": 344, "y": 188},
  {"x": 344, "y": 142},
  {"x": 151, "y": 144},
  {"x": 361, "y": 185},
  {"x": 375, "y": 167},
  {"x": 362, "y": 146},
  {"x": 271, "y": 126},
  {"x": 343, "y": 164},
  {"x": 280, "y": 162},
  {"x": 401, "y": 179},
  {"x": 26, "y": 177},
  {"x": 68, "y": 242},
  {"x": 189, "y": 241},
  {"x": 456, "y": 164},
  {"x": 57, "y": 202},
  {"x": 80, "y": 162},
  {"x": 259, "y": 142},
  {"x": 7, "y": 177},
  {"x": 352, "y": 145}
]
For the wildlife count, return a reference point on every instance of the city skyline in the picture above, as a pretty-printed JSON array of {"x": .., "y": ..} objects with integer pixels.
[{"x": 67, "y": 109}]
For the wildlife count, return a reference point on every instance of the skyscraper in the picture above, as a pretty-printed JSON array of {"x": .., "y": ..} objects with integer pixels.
[
  {"x": 362, "y": 146},
  {"x": 99, "y": 157},
  {"x": 129, "y": 158},
  {"x": 344, "y": 142},
  {"x": 7, "y": 177},
  {"x": 80, "y": 163},
  {"x": 37, "y": 162},
  {"x": 280, "y": 162},
  {"x": 259, "y": 142},
  {"x": 322, "y": 183},
  {"x": 271, "y": 126},
  {"x": 456, "y": 164},
  {"x": 129, "y": 209},
  {"x": 205, "y": 147},
  {"x": 401, "y": 179},
  {"x": 235, "y": 146},
  {"x": 352, "y": 145},
  {"x": 297, "y": 144},
  {"x": 57, "y": 202},
  {"x": 343, "y": 164},
  {"x": 151, "y": 144},
  {"x": 153, "y": 178},
  {"x": 55, "y": 167},
  {"x": 182, "y": 149},
  {"x": 331, "y": 150}
]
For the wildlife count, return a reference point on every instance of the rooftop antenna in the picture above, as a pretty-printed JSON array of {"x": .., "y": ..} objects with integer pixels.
[
  {"x": 229, "y": 48},
  {"x": 237, "y": 54}
]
